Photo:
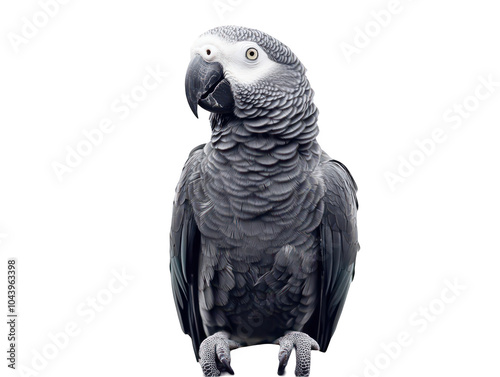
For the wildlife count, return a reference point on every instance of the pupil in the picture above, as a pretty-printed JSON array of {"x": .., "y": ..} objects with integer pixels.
[{"x": 209, "y": 52}]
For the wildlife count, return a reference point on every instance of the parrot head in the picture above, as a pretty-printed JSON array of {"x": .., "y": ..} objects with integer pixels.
[{"x": 244, "y": 72}]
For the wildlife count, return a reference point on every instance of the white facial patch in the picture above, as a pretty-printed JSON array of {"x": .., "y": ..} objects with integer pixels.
[{"x": 238, "y": 68}]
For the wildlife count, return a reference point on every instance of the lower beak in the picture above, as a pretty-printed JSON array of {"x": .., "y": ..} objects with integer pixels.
[{"x": 207, "y": 87}]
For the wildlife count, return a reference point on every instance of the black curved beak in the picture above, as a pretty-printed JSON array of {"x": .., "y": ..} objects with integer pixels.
[{"x": 207, "y": 87}]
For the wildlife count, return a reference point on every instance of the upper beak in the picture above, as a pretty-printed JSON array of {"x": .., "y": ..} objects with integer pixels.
[{"x": 206, "y": 86}]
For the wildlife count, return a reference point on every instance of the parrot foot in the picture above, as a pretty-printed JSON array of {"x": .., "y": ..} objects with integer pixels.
[
  {"x": 303, "y": 344},
  {"x": 215, "y": 356}
]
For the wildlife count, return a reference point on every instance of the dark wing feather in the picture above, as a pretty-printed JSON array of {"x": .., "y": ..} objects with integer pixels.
[
  {"x": 185, "y": 252},
  {"x": 339, "y": 246}
]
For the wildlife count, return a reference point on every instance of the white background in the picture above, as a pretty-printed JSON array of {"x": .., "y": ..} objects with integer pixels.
[{"x": 112, "y": 212}]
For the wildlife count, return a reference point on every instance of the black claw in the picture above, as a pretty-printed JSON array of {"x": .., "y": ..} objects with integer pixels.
[
  {"x": 283, "y": 363},
  {"x": 227, "y": 366},
  {"x": 281, "y": 370}
]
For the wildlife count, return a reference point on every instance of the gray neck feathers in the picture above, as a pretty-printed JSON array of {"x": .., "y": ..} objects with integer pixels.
[
  {"x": 276, "y": 130},
  {"x": 252, "y": 154}
]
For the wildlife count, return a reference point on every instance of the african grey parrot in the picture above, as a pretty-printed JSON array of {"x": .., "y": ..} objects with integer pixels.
[{"x": 263, "y": 235}]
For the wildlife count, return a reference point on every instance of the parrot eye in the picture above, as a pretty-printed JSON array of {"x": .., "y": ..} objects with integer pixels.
[{"x": 252, "y": 54}]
